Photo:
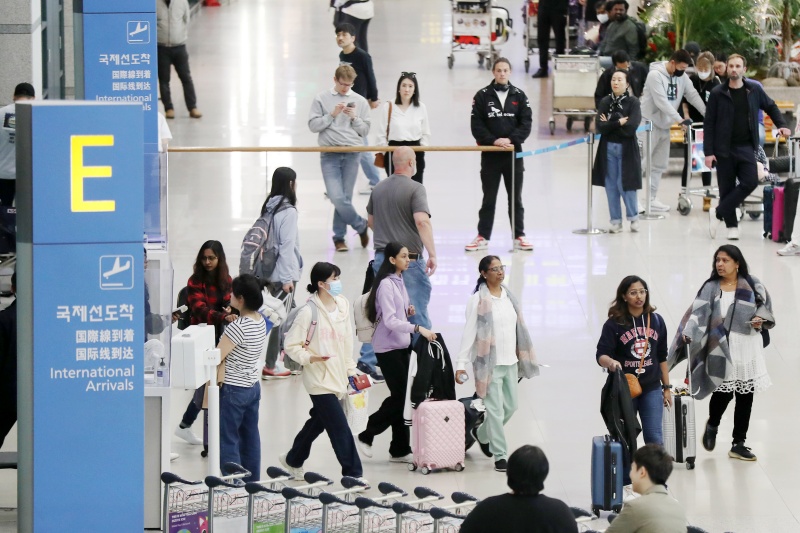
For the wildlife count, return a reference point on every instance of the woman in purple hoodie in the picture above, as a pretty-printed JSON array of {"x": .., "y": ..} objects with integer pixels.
[{"x": 388, "y": 306}]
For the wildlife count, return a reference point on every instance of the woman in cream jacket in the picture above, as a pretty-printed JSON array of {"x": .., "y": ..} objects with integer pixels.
[{"x": 327, "y": 364}]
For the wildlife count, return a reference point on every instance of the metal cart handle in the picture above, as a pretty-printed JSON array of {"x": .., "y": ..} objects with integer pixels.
[
  {"x": 313, "y": 477},
  {"x": 577, "y": 512},
  {"x": 213, "y": 482},
  {"x": 389, "y": 488},
  {"x": 349, "y": 482},
  {"x": 168, "y": 478},
  {"x": 275, "y": 472},
  {"x": 328, "y": 498},
  {"x": 437, "y": 513},
  {"x": 233, "y": 469},
  {"x": 254, "y": 488},
  {"x": 363, "y": 502},
  {"x": 463, "y": 497},
  {"x": 425, "y": 492}
]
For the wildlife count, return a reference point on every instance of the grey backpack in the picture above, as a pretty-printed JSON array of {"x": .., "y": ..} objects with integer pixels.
[{"x": 259, "y": 254}]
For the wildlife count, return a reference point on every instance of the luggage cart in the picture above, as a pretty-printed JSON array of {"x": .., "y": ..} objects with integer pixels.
[
  {"x": 574, "y": 82},
  {"x": 448, "y": 519},
  {"x": 265, "y": 503},
  {"x": 530, "y": 15},
  {"x": 375, "y": 513},
  {"x": 479, "y": 26},
  {"x": 414, "y": 516},
  {"x": 336, "y": 514}
]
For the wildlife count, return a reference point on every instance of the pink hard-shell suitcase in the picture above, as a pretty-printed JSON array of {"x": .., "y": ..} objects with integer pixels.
[
  {"x": 777, "y": 213},
  {"x": 438, "y": 436}
]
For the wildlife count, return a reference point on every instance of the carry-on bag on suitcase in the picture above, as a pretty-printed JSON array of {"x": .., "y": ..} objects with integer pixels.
[
  {"x": 791, "y": 191},
  {"x": 607, "y": 470},
  {"x": 437, "y": 432},
  {"x": 777, "y": 213}
]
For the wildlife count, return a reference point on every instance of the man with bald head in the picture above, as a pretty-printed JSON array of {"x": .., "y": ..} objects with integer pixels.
[{"x": 398, "y": 212}]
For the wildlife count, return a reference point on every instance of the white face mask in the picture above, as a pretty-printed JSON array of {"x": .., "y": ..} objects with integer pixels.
[
  {"x": 602, "y": 18},
  {"x": 703, "y": 74}
]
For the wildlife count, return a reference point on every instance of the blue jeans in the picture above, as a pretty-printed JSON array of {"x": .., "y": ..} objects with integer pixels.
[
  {"x": 339, "y": 171},
  {"x": 614, "y": 187},
  {"x": 368, "y": 165},
  {"x": 650, "y": 406},
  {"x": 239, "y": 440},
  {"x": 327, "y": 415},
  {"x": 418, "y": 285}
]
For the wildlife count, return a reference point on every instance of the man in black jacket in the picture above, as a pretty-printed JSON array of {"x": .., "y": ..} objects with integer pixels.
[
  {"x": 731, "y": 138},
  {"x": 501, "y": 116},
  {"x": 637, "y": 73},
  {"x": 552, "y": 14}
]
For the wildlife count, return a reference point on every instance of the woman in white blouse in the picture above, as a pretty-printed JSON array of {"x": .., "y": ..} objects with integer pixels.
[
  {"x": 497, "y": 343},
  {"x": 409, "y": 122}
]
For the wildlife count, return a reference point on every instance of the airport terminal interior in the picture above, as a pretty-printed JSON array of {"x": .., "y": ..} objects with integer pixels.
[{"x": 257, "y": 65}]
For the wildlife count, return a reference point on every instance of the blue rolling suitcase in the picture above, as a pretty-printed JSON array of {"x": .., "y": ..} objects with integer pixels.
[{"x": 607, "y": 470}]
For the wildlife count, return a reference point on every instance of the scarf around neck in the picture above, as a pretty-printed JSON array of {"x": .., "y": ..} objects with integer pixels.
[
  {"x": 484, "y": 354},
  {"x": 616, "y": 102}
]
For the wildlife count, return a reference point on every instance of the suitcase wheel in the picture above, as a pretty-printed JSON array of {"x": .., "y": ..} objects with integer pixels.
[
  {"x": 412, "y": 466},
  {"x": 596, "y": 511},
  {"x": 425, "y": 470},
  {"x": 459, "y": 467},
  {"x": 617, "y": 509},
  {"x": 690, "y": 464}
]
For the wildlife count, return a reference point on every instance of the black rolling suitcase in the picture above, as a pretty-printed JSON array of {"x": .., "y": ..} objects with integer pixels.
[
  {"x": 791, "y": 191},
  {"x": 767, "y": 199}
]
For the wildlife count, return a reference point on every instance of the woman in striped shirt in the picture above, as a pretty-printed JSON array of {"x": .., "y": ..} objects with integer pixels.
[{"x": 241, "y": 347}]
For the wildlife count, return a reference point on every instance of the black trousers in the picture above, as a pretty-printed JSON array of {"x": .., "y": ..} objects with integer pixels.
[
  {"x": 741, "y": 414},
  {"x": 686, "y": 158},
  {"x": 394, "y": 365},
  {"x": 558, "y": 22},
  {"x": 420, "y": 159},
  {"x": 178, "y": 56},
  {"x": 360, "y": 25},
  {"x": 8, "y": 417},
  {"x": 8, "y": 190},
  {"x": 741, "y": 164},
  {"x": 493, "y": 167}
]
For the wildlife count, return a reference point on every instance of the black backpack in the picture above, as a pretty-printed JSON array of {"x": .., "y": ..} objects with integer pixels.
[{"x": 185, "y": 319}]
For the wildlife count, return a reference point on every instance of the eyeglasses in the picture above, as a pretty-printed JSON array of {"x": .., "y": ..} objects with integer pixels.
[
  {"x": 209, "y": 258},
  {"x": 634, "y": 293},
  {"x": 348, "y": 85},
  {"x": 498, "y": 269},
  {"x": 409, "y": 75}
]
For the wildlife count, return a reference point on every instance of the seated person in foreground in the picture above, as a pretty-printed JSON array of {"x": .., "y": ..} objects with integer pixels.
[
  {"x": 525, "y": 509},
  {"x": 655, "y": 511}
]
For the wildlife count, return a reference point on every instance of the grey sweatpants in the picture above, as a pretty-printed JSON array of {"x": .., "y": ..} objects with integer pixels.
[{"x": 660, "y": 155}]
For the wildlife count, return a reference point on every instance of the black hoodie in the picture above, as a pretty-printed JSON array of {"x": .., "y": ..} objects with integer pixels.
[{"x": 618, "y": 342}]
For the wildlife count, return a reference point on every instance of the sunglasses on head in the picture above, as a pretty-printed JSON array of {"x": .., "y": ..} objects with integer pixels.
[{"x": 409, "y": 74}]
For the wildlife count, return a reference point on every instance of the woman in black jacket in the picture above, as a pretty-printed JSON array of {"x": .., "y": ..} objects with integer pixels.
[{"x": 618, "y": 165}]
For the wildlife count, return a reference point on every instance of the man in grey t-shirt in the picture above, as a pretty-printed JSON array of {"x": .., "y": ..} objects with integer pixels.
[{"x": 398, "y": 212}]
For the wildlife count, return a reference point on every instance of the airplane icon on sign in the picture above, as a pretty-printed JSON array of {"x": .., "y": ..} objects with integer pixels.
[
  {"x": 138, "y": 32},
  {"x": 116, "y": 272},
  {"x": 139, "y": 29},
  {"x": 117, "y": 268}
]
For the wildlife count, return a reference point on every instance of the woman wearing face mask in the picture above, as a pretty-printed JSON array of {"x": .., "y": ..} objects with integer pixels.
[
  {"x": 618, "y": 165},
  {"x": 704, "y": 80},
  {"x": 408, "y": 125},
  {"x": 327, "y": 363}
]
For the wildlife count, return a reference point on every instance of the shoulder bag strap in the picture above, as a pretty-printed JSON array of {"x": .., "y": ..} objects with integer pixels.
[
  {"x": 388, "y": 123},
  {"x": 646, "y": 344}
]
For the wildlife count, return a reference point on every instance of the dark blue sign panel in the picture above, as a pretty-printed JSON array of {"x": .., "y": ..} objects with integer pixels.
[
  {"x": 80, "y": 265},
  {"x": 98, "y": 167},
  {"x": 88, "y": 409},
  {"x": 120, "y": 63}
]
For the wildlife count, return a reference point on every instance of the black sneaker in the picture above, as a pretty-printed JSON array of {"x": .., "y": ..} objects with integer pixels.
[
  {"x": 541, "y": 73},
  {"x": 740, "y": 451},
  {"x": 710, "y": 437},
  {"x": 501, "y": 465},
  {"x": 376, "y": 377},
  {"x": 484, "y": 447}
]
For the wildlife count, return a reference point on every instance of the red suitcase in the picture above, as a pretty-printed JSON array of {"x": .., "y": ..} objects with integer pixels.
[{"x": 437, "y": 431}]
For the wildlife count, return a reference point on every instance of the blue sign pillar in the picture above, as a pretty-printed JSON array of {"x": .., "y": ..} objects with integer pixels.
[
  {"x": 81, "y": 297},
  {"x": 116, "y": 60}
]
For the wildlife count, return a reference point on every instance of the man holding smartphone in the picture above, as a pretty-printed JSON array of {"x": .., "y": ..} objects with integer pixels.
[{"x": 341, "y": 118}]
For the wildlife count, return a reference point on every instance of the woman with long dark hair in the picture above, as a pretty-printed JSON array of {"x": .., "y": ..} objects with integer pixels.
[
  {"x": 634, "y": 338},
  {"x": 618, "y": 165},
  {"x": 327, "y": 364},
  {"x": 208, "y": 299},
  {"x": 409, "y": 124},
  {"x": 498, "y": 344},
  {"x": 281, "y": 211},
  {"x": 726, "y": 331},
  {"x": 389, "y": 306},
  {"x": 241, "y": 346}
]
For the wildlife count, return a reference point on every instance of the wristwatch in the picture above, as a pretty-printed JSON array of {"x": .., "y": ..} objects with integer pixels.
[{"x": 666, "y": 387}]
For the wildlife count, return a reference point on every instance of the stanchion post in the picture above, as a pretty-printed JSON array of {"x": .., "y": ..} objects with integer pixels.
[
  {"x": 648, "y": 141},
  {"x": 589, "y": 229}
]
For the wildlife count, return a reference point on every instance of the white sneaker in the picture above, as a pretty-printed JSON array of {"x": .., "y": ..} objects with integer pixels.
[
  {"x": 366, "y": 189},
  {"x": 187, "y": 435},
  {"x": 733, "y": 234},
  {"x": 615, "y": 228},
  {"x": 173, "y": 456},
  {"x": 655, "y": 205},
  {"x": 521, "y": 243},
  {"x": 790, "y": 249},
  {"x": 635, "y": 226},
  {"x": 404, "y": 459},
  {"x": 713, "y": 222},
  {"x": 297, "y": 473},
  {"x": 366, "y": 449},
  {"x": 478, "y": 243}
]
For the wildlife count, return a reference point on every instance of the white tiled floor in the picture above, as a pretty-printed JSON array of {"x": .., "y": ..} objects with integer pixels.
[{"x": 258, "y": 63}]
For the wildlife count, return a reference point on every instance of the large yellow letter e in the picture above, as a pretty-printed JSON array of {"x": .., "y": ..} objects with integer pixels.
[{"x": 79, "y": 172}]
